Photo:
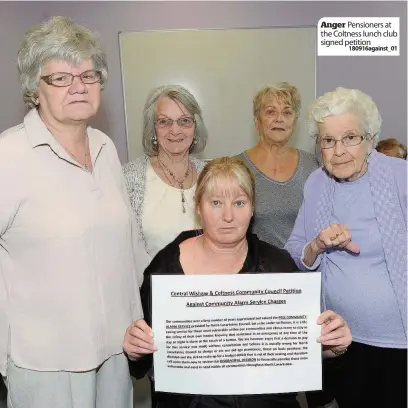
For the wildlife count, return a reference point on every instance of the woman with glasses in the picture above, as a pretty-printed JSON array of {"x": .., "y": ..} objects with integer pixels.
[
  {"x": 68, "y": 282},
  {"x": 161, "y": 183},
  {"x": 352, "y": 226},
  {"x": 224, "y": 205}
]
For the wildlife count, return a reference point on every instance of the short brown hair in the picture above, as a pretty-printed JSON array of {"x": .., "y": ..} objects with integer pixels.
[
  {"x": 228, "y": 168},
  {"x": 389, "y": 144}
]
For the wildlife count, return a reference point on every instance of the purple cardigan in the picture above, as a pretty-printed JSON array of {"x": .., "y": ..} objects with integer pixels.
[{"x": 388, "y": 185}]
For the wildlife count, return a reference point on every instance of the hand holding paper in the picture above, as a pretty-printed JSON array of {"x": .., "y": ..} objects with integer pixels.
[
  {"x": 138, "y": 340},
  {"x": 335, "y": 333},
  {"x": 239, "y": 327}
]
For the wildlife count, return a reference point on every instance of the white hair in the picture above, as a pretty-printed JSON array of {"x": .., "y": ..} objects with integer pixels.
[{"x": 343, "y": 101}]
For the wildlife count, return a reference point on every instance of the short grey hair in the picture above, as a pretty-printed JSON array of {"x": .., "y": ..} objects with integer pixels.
[
  {"x": 342, "y": 101},
  {"x": 181, "y": 95},
  {"x": 56, "y": 39}
]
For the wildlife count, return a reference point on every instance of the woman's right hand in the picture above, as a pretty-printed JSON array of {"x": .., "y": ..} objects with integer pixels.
[
  {"x": 334, "y": 236},
  {"x": 138, "y": 340}
]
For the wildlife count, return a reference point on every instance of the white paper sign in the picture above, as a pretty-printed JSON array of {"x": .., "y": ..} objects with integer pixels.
[{"x": 239, "y": 334}]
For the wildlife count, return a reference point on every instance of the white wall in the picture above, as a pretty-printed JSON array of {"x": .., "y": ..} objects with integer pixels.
[{"x": 223, "y": 69}]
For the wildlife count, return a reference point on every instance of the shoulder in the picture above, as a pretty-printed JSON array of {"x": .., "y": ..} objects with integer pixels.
[
  {"x": 198, "y": 163},
  {"x": 135, "y": 171},
  {"x": 166, "y": 260},
  {"x": 105, "y": 140},
  {"x": 310, "y": 160},
  {"x": 11, "y": 131},
  {"x": 245, "y": 158},
  {"x": 135, "y": 165},
  {"x": 13, "y": 144},
  {"x": 273, "y": 259},
  {"x": 399, "y": 166},
  {"x": 315, "y": 180}
]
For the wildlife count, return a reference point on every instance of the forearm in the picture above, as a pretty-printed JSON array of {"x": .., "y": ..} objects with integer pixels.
[{"x": 311, "y": 253}]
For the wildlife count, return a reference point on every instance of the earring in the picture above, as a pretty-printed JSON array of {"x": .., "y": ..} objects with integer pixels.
[
  {"x": 195, "y": 141},
  {"x": 154, "y": 140}
]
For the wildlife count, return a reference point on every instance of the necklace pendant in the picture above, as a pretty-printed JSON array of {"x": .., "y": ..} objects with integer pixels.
[{"x": 183, "y": 201}]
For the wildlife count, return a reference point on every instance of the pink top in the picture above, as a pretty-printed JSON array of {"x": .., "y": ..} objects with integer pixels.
[{"x": 70, "y": 259}]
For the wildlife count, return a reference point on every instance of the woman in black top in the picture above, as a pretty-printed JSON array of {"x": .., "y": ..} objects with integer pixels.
[{"x": 224, "y": 204}]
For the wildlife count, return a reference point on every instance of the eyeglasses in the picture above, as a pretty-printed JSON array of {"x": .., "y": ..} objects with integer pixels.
[
  {"x": 61, "y": 79},
  {"x": 329, "y": 142},
  {"x": 185, "y": 122}
]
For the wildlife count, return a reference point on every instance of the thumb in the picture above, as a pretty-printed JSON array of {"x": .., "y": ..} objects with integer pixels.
[{"x": 353, "y": 247}]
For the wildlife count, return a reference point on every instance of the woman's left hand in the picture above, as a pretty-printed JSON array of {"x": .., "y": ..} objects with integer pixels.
[{"x": 335, "y": 334}]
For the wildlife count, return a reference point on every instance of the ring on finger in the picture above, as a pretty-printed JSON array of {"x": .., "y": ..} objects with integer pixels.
[{"x": 337, "y": 235}]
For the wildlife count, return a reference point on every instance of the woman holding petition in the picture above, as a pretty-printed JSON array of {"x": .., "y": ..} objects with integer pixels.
[{"x": 224, "y": 203}]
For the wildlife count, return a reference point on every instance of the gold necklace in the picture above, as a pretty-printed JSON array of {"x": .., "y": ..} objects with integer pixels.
[{"x": 179, "y": 182}]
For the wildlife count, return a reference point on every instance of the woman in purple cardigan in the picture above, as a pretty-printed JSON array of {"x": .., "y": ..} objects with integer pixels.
[{"x": 352, "y": 226}]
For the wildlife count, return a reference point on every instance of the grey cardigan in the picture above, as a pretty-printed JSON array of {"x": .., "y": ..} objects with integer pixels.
[{"x": 135, "y": 179}]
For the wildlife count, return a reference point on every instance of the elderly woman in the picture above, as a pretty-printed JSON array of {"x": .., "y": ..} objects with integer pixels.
[
  {"x": 68, "y": 288},
  {"x": 224, "y": 202},
  {"x": 392, "y": 147},
  {"x": 161, "y": 183},
  {"x": 280, "y": 171},
  {"x": 353, "y": 227}
]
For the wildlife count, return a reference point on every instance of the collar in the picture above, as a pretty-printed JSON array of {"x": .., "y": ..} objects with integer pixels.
[
  {"x": 251, "y": 261},
  {"x": 39, "y": 135}
]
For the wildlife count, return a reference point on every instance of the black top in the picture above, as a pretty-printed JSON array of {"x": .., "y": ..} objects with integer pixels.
[{"x": 261, "y": 258}]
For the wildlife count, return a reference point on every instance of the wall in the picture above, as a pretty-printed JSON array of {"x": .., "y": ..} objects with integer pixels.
[
  {"x": 13, "y": 24},
  {"x": 219, "y": 76},
  {"x": 384, "y": 78}
]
